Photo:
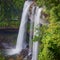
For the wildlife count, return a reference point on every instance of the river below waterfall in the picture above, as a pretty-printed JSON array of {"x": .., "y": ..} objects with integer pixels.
[{"x": 8, "y": 38}]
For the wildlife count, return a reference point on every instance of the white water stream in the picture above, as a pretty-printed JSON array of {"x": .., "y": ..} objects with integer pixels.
[
  {"x": 36, "y": 33},
  {"x": 22, "y": 31}
]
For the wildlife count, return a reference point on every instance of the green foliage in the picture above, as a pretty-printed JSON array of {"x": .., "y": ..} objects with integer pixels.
[
  {"x": 11, "y": 24},
  {"x": 51, "y": 42},
  {"x": 10, "y": 10},
  {"x": 48, "y": 3},
  {"x": 55, "y": 14},
  {"x": 45, "y": 54},
  {"x": 36, "y": 36},
  {"x": 14, "y": 24},
  {"x": 18, "y": 4},
  {"x": 1, "y": 57},
  {"x": 50, "y": 36}
]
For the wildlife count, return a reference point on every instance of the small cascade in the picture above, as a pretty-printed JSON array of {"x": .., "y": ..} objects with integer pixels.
[
  {"x": 31, "y": 29},
  {"x": 36, "y": 32}
]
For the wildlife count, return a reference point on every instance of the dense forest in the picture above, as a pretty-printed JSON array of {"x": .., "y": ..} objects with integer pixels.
[
  {"x": 10, "y": 13},
  {"x": 49, "y": 39},
  {"x": 50, "y": 36}
]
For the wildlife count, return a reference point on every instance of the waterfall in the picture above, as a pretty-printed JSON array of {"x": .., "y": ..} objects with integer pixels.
[
  {"x": 36, "y": 32},
  {"x": 31, "y": 29},
  {"x": 22, "y": 31},
  {"x": 35, "y": 21}
]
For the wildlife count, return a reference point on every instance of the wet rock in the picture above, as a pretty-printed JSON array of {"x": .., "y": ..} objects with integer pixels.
[
  {"x": 29, "y": 57},
  {"x": 24, "y": 52}
]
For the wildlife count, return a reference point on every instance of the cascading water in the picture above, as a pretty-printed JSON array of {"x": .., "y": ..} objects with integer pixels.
[
  {"x": 22, "y": 30},
  {"x": 31, "y": 29},
  {"x": 36, "y": 32}
]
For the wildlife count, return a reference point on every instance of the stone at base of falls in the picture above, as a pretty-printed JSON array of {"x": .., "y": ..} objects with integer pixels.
[
  {"x": 29, "y": 57},
  {"x": 24, "y": 53}
]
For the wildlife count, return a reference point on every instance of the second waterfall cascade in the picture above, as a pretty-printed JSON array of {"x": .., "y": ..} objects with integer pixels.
[{"x": 36, "y": 32}]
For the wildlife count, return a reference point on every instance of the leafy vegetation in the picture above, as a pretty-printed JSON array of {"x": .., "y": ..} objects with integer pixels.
[
  {"x": 10, "y": 10},
  {"x": 11, "y": 24},
  {"x": 49, "y": 48},
  {"x": 50, "y": 36}
]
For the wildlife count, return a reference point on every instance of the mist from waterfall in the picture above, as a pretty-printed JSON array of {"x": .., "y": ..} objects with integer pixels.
[{"x": 22, "y": 31}]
